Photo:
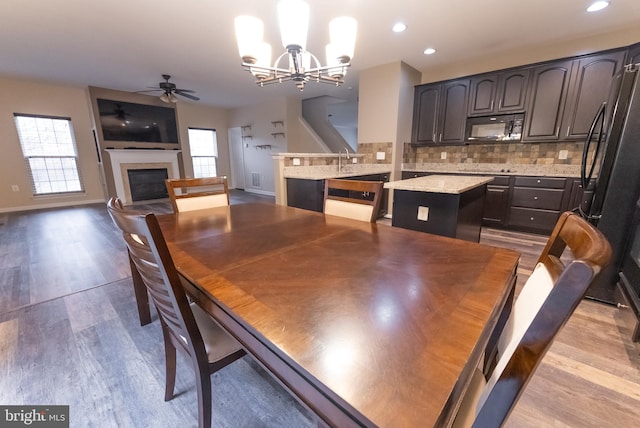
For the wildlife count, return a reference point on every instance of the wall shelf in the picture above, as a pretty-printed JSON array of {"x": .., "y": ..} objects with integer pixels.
[
  {"x": 275, "y": 123},
  {"x": 277, "y": 134},
  {"x": 263, "y": 146}
]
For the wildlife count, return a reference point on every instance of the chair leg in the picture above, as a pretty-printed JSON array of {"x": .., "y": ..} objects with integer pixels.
[
  {"x": 170, "y": 368},
  {"x": 203, "y": 381}
]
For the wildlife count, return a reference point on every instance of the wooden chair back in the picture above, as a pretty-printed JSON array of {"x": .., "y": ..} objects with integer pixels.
[
  {"x": 188, "y": 194},
  {"x": 183, "y": 325},
  {"x": 358, "y": 200},
  {"x": 149, "y": 253},
  {"x": 591, "y": 252}
]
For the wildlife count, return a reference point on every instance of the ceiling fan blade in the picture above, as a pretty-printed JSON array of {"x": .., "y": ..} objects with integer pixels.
[
  {"x": 184, "y": 90},
  {"x": 150, "y": 90},
  {"x": 193, "y": 97}
]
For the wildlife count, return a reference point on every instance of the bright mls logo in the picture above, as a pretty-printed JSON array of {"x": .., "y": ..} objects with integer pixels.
[{"x": 34, "y": 416}]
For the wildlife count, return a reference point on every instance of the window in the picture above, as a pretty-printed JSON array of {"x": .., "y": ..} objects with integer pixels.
[
  {"x": 49, "y": 150},
  {"x": 204, "y": 152}
]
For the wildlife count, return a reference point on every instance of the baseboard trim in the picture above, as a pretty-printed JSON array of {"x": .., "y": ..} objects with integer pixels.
[
  {"x": 260, "y": 192},
  {"x": 52, "y": 205}
]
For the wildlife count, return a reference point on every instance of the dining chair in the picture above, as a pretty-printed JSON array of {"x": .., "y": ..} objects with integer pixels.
[
  {"x": 184, "y": 326},
  {"x": 547, "y": 300},
  {"x": 358, "y": 200},
  {"x": 188, "y": 194}
]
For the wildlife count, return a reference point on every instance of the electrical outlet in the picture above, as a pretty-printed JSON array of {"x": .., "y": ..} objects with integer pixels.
[
  {"x": 423, "y": 213},
  {"x": 296, "y": 161},
  {"x": 15, "y": 188},
  {"x": 380, "y": 155},
  {"x": 443, "y": 155},
  {"x": 354, "y": 160},
  {"x": 563, "y": 154}
]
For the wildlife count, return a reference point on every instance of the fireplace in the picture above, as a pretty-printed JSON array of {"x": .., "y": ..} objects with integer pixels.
[
  {"x": 147, "y": 183},
  {"x": 139, "y": 175}
]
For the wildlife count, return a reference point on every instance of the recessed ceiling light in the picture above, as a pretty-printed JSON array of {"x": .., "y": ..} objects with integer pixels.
[
  {"x": 429, "y": 51},
  {"x": 596, "y": 6},
  {"x": 399, "y": 27}
]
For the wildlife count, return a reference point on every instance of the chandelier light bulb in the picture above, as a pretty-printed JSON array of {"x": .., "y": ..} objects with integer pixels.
[
  {"x": 249, "y": 33},
  {"x": 293, "y": 16}
]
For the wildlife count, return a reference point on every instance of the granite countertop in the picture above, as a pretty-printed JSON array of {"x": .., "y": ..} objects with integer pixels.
[
  {"x": 454, "y": 184},
  {"x": 497, "y": 169},
  {"x": 331, "y": 171}
]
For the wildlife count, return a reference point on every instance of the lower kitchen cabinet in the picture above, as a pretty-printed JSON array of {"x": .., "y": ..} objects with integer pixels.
[
  {"x": 496, "y": 202},
  {"x": 526, "y": 203},
  {"x": 536, "y": 203},
  {"x": 305, "y": 194},
  {"x": 309, "y": 194}
]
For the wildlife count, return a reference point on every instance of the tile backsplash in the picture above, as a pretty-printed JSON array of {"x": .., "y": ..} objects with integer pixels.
[
  {"x": 515, "y": 153},
  {"x": 369, "y": 150}
]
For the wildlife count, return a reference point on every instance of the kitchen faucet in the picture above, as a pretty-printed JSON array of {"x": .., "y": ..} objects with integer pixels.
[{"x": 340, "y": 158}]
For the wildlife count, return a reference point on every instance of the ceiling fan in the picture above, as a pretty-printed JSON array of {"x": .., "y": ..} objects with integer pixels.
[{"x": 170, "y": 91}]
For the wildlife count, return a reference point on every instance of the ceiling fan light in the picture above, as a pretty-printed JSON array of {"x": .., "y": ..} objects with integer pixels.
[
  {"x": 249, "y": 33},
  {"x": 343, "y": 31},
  {"x": 293, "y": 16},
  {"x": 165, "y": 98}
]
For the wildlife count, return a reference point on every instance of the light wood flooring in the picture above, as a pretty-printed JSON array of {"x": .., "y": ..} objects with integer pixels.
[{"x": 69, "y": 334}]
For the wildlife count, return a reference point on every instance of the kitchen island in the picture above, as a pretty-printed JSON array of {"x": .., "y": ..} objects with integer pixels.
[{"x": 444, "y": 205}]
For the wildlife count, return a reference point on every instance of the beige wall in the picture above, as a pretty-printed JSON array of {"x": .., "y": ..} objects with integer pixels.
[
  {"x": 42, "y": 98},
  {"x": 527, "y": 56}
]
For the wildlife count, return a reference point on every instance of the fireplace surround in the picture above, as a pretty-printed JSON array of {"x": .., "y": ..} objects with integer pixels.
[{"x": 124, "y": 160}]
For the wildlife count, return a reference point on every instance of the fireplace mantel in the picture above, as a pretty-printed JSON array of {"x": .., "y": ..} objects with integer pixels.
[{"x": 126, "y": 159}]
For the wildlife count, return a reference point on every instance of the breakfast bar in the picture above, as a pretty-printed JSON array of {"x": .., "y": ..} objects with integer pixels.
[{"x": 447, "y": 205}]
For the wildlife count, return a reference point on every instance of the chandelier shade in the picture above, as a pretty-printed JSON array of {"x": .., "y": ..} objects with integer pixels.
[{"x": 296, "y": 63}]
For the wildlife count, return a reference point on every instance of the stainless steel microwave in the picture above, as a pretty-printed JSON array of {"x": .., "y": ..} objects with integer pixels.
[{"x": 502, "y": 127}]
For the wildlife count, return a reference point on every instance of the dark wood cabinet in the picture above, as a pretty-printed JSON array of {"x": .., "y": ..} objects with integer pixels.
[
  {"x": 496, "y": 202},
  {"x": 590, "y": 87},
  {"x": 305, "y": 194},
  {"x": 482, "y": 94},
  {"x": 512, "y": 90},
  {"x": 498, "y": 93},
  {"x": 425, "y": 114},
  {"x": 309, "y": 194},
  {"x": 414, "y": 174},
  {"x": 536, "y": 203},
  {"x": 579, "y": 197},
  {"x": 547, "y": 97},
  {"x": 453, "y": 113},
  {"x": 440, "y": 113},
  {"x": 633, "y": 57}
]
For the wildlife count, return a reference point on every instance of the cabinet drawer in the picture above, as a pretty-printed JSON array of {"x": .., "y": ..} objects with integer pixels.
[
  {"x": 548, "y": 199},
  {"x": 552, "y": 183},
  {"x": 499, "y": 180},
  {"x": 527, "y": 218},
  {"x": 414, "y": 174}
]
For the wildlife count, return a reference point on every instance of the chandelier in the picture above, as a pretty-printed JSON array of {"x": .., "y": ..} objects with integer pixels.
[{"x": 303, "y": 66}]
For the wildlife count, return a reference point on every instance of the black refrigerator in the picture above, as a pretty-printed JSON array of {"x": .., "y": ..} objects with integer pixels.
[{"x": 616, "y": 186}]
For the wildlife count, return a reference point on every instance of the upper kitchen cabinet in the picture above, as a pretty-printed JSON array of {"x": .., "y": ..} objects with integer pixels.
[
  {"x": 634, "y": 54},
  {"x": 425, "y": 114},
  {"x": 439, "y": 113},
  {"x": 590, "y": 87},
  {"x": 547, "y": 96},
  {"x": 498, "y": 93}
]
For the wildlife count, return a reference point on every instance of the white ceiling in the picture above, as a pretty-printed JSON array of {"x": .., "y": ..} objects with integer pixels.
[{"x": 128, "y": 44}]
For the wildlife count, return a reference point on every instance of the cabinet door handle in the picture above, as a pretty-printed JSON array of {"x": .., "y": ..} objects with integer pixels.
[
  {"x": 531, "y": 219},
  {"x": 568, "y": 129},
  {"x": 491, "y": 105},
  {"x": 535, "y": 198},
  {"x": 538, "y": 181},
  {"x": 433, "y": 137}
]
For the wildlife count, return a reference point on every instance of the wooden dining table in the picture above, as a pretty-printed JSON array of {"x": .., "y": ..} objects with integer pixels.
[{"x": 366, "y": 324}]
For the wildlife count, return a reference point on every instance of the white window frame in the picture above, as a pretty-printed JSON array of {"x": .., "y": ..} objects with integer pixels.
[
  {"x": 204, "y": 156},
  {"x": 50, "y": 153}
]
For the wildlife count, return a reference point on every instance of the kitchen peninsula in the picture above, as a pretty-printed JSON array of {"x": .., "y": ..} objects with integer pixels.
[{"x": 448, "y": 205}]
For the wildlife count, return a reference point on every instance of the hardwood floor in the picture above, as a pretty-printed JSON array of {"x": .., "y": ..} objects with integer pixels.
[{"x": 69, "y": 334}]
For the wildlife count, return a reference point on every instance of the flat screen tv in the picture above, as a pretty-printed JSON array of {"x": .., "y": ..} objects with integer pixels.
[{"x": 140, "y": 123}]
